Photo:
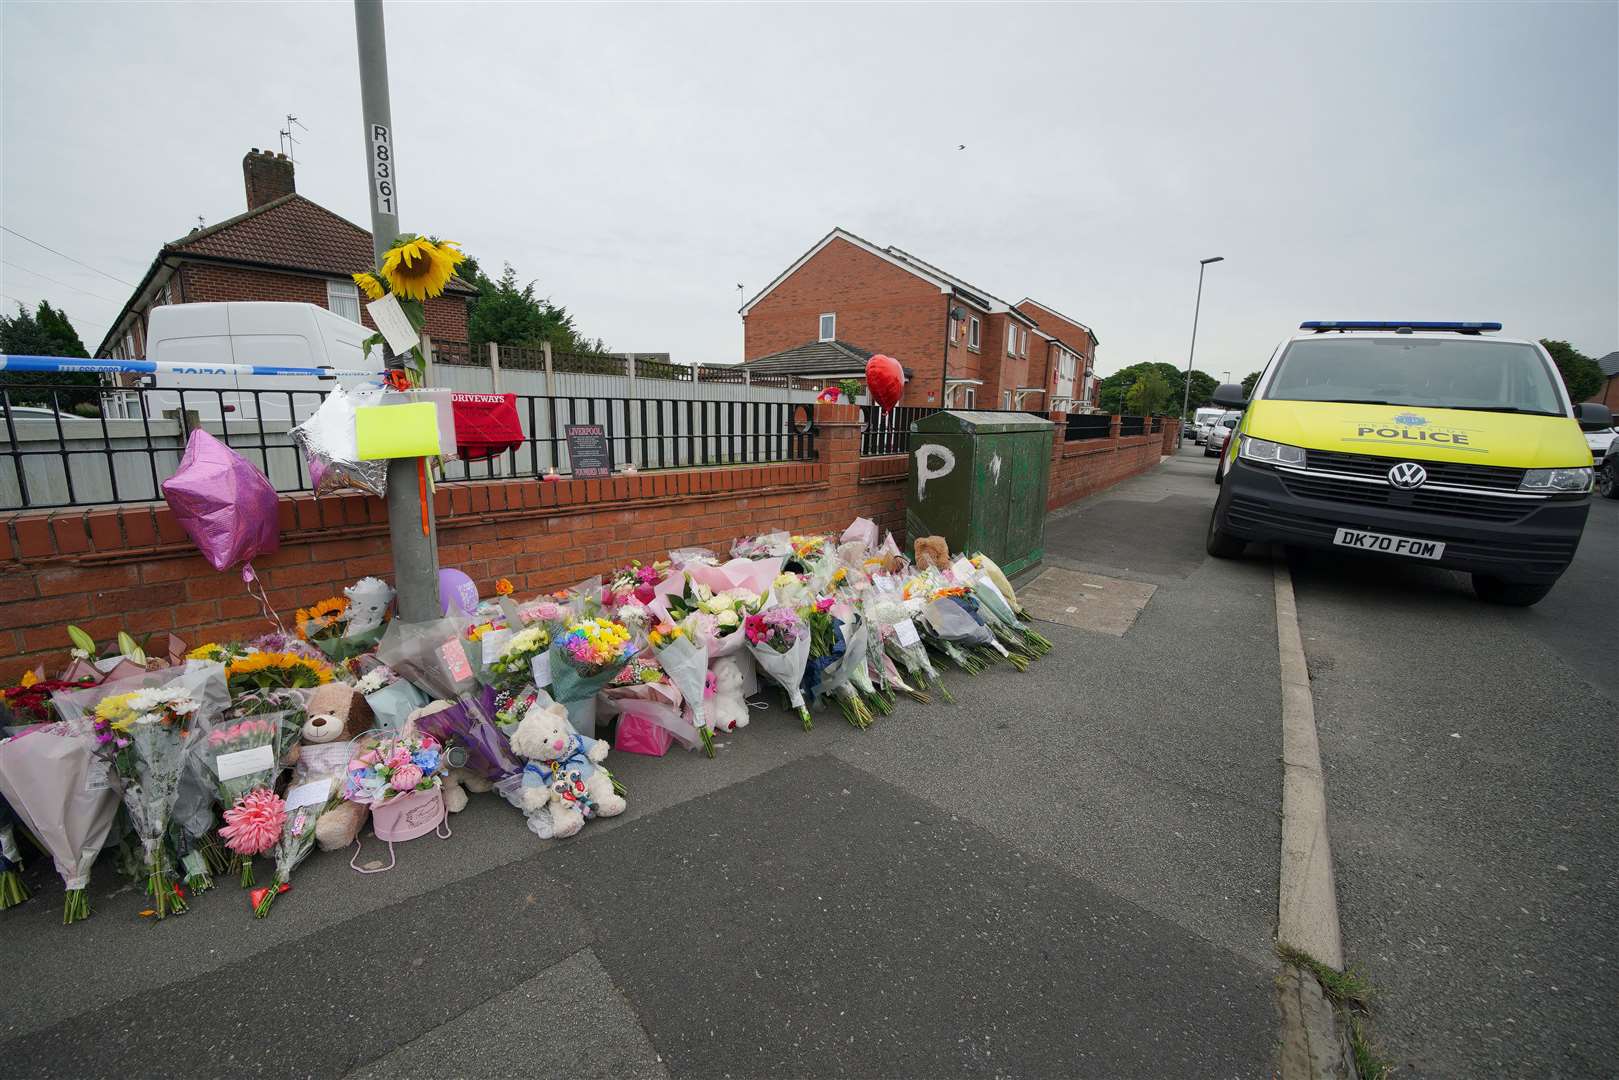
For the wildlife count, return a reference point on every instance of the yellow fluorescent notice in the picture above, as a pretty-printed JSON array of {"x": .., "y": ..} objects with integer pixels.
[
  {"x": 1506, "y": 439},
  {"x": 397, "y": 431}
]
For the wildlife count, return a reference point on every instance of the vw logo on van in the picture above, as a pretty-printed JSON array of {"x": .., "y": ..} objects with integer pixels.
[{"x": 1408, "y": 475}]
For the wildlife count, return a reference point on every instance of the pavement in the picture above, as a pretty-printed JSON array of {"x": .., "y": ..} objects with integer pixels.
[
  {"x": 1069, "y": 872},
  {"x": 1473, "y": 805}
]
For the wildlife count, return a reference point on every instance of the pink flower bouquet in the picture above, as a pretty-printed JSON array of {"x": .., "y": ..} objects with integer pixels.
[{"x": 780, "y": 642}]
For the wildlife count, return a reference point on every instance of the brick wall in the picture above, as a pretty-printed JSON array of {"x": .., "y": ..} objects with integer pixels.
[
  {"x": 212, "y": 283},
  {"x": 878, "y": 306},
  {"x": 133, "y": 568},
  {"x": 1083, "y": 468}
]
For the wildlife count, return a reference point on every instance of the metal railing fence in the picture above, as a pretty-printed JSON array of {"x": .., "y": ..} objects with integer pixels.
[{"x": 53, "y": 456}]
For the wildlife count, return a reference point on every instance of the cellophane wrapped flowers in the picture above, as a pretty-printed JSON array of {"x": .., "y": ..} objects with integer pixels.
[
  {"x": 780, "y": 643},
  {"x": 244, "y": 756},
  {"x": 514, "y": 666},
  {"x": 145, "y": 734}
]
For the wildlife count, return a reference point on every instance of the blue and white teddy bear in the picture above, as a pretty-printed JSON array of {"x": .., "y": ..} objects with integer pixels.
[{"x": 562, "y": 773}]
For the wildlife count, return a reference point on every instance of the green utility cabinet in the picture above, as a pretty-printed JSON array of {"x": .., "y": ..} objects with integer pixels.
[{"x": 978, "y": 479}]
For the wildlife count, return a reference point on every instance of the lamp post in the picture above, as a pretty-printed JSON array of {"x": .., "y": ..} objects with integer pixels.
[
  {"x": 411, "y": 527},
  {"x": 1186, "y": 392}
]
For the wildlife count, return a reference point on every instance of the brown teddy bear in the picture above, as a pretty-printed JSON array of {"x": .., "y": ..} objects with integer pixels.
[
  {"x": 337, "y": 714},
  {"x": 932, "y": 551}
]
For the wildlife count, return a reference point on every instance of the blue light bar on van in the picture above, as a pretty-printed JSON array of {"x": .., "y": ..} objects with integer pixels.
[{"x": 1320, "y": 325}]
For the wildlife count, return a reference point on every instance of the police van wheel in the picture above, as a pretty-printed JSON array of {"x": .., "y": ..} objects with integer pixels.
[
  {"x": 1222, "y": 545},
  {"x": 1495, "y": 591}
]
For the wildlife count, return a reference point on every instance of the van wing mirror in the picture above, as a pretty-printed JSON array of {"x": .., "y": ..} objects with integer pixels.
[
  {"x": 1593, "y": 417},
  {"x": 1230, "y": 395}
]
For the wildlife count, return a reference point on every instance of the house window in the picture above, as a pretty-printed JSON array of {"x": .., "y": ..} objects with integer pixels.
[
  {"x": 974, "y": 332},
  {"x": 1011, "y": 339},
  {"x": 1023, "y": 342},
  {"x": 969, "y": 396},
  {"x": 829, "y": 326},
  {"x": 343, "y": 298},
  {"x": 1006, "y": 399}
]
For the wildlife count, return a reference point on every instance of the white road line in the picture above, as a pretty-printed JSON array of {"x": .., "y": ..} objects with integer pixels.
[{"x": 1307, "y": 911}]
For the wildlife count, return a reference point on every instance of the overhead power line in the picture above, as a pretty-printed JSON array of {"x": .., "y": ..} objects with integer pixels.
[
  {"x": 65, "y": 285},
  {"x": 69, "y": 258}
]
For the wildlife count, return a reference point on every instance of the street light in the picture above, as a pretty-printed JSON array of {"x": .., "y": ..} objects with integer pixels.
[{"x": 1186, "y": 394}]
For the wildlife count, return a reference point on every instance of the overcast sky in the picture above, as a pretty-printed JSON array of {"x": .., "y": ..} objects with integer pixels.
[{"x": 640, "y": 161}]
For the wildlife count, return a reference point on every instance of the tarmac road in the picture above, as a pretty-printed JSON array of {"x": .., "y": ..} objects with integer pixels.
[{"x": 1473, "y": 802}]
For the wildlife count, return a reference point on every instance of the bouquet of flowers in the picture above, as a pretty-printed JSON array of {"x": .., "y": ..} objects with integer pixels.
[
  {"x": 195, "y": 852},
  {"x": 1001, "y": 606},
  {"x": 643, "y": 689},
  {"x": 310, "y": 792},
  {"x": 219, "y": 654},
  {"x": 244, "y": 756},
  {"x": 29, "y": 702},
  {"x": 145, "y": 733},
  {"x": 268, "y": 682},
  {"x": 903, "y": 642},
  {"x": 514, "y": 666},
  {"x": 12, "y": 890},
  {"x": 956, "y": 631},
  {"x": 685, "y": 659},
  {"x": 585, "y": 658},
  {"x": 780, "y": 643},
  {"x": 763, "y": 546},
  {"x": 510, "y": 705},
  {"x": 67, "y": 797},
  {"x": 826, "y": 674},
  {"x": 392, "y": 698},
  {"x": 394, "y": 766}
]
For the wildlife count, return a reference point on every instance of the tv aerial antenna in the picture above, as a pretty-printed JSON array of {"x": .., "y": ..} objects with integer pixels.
[{"x": 287, "y": 141}]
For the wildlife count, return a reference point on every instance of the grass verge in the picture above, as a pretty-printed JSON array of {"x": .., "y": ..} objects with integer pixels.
[{"x": 1351, "y": 995}]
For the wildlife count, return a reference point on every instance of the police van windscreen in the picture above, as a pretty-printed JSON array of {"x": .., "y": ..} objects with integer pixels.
[{"x": 1466, "y": 373}]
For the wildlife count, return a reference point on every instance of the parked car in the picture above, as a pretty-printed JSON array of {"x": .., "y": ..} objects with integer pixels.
[
  {"x": 1413, "y": 440},
  {"x": 1600, "y": 441},
  {"x": 1202, "y": 420},
  {"x": 1607, "y": 469},
  {"x": 1220, "y": 434}
]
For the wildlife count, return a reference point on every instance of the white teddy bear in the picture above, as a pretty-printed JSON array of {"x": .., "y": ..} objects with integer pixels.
[
  {"x": 561, "y": 771},
  {"x": 727, "y": 710}
]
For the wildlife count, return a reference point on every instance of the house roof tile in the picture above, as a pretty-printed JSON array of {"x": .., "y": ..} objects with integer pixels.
[{"x": 814, "y": 358}]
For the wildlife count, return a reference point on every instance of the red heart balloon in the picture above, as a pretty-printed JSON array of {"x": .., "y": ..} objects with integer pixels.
[{"x": 885, "y": 379}]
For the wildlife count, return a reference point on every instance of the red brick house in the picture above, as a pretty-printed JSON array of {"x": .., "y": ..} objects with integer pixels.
[
  {"x": 284, "y": 247},
  {"x": 1609, "y": 394},
  {"x": 1069, "y": 364},
  {"x": 847, "y": 297}
]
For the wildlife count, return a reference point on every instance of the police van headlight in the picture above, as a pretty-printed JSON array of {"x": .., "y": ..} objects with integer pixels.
[
  {"x": 1567, "y": 480},
  {"x": 1266, "y": 452}
]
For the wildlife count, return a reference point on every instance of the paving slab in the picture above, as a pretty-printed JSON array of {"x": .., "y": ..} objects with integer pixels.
[
  {"x": 816, "y": 921},
  {"x": 1095, "y": 602},
  {"x": 567, "y": 1021}
]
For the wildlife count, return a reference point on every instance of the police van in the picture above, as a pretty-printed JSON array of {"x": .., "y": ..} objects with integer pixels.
[{"x": 1411, "y": 440}]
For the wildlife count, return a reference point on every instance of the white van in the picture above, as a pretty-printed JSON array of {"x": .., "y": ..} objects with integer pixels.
[
  {"x": 201, "y": 337},
  {"x": 1204, "y": 419}
]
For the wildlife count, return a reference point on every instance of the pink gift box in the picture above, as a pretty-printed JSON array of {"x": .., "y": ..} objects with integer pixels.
[
  {"x": 639, "y": 735},
  {"x": 405, "y": 817}
]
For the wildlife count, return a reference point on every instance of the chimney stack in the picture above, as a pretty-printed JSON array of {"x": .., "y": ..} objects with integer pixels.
[{"x": 268, "y": 176}]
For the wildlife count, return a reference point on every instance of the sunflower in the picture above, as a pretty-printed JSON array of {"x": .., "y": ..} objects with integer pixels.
[
  {"x": 370, "y": 284},
  {"x": 323, "y": 616},
  {"x": 262, "y": 670},
  {"x": 417, "y": 268}
]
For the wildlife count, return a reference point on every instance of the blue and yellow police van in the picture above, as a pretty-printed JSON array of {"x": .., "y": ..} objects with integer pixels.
[{"x": 1434, "y": 441}]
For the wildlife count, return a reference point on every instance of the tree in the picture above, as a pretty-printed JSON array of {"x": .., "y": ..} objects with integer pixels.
[
  {"x": 1581, "y": 375},
  {"x": 45, "y": 331},
  {"x": 510, "y": 314},
  {"x": 1150, "y": 394},
  {"x": 1203, "y": 385},
  {"x": 1248, "y": 382},
  {"x": 1116, "y": 387}
]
